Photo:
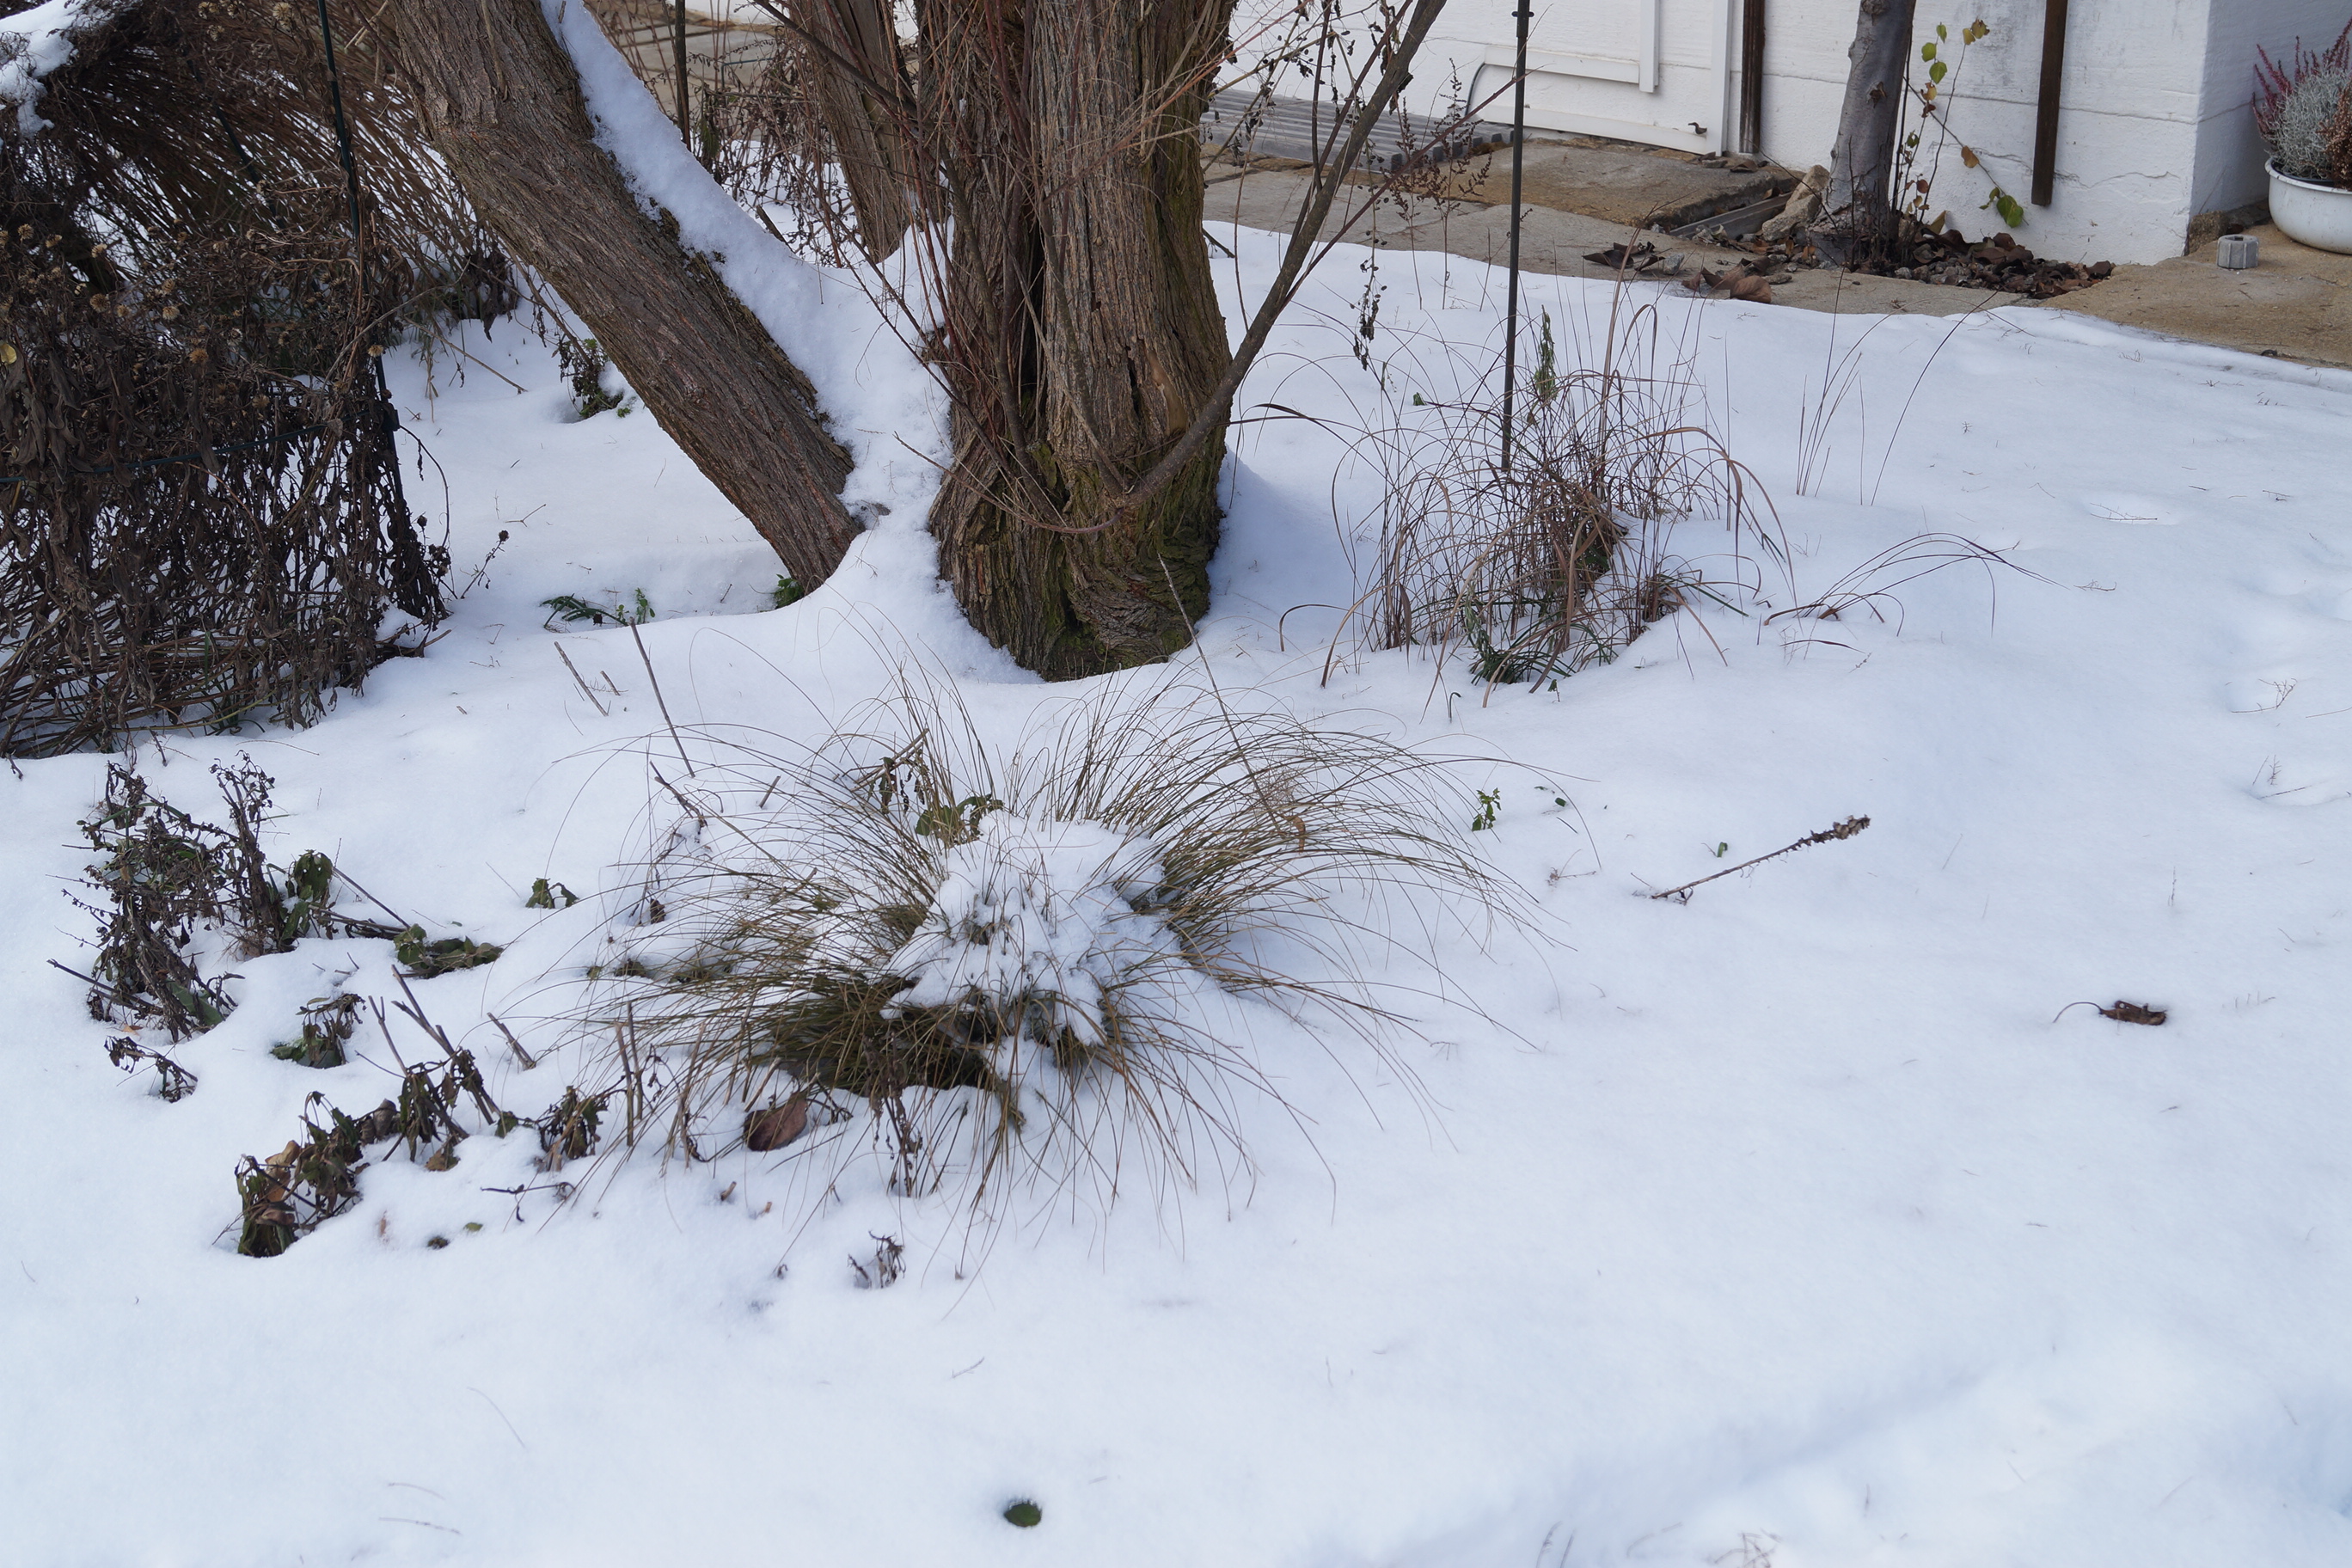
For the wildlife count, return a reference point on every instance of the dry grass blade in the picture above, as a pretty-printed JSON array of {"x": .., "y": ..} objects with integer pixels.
[
  {"x": 1037, "y": 961},
  {"x": 1871, "y": 585},
  {"x": 1560, "y": 556}
]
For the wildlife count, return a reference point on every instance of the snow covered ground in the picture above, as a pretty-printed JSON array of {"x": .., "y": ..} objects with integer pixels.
[{"x": 1781, "y": 1226}]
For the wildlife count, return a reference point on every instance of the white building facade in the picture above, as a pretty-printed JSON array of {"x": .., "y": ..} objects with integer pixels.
[{"x": 2153, "y": 118}]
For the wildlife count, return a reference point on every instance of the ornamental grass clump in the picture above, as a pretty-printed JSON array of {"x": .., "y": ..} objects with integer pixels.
[
  {"x": 1539, "y": 553},
  {"x": 1035, "y": 958},
  {"x": 2303, "y": 109}
]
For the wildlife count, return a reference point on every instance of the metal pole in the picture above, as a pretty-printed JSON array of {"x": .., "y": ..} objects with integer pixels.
[
  {"x": 342, "y": 141},
  {"x": 685, "y": 127},
  {"x": 1518, "y": 166},
  {"x": 386, "y": 413}
]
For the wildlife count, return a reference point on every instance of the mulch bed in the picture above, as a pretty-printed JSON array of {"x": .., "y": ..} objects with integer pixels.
[{"x": 1999, "y": 263}]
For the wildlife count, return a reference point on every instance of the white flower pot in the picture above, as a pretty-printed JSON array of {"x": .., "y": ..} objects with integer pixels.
[{"x": 2316, "y": 215}]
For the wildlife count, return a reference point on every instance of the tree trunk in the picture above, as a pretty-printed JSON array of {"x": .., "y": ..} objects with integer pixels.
[
  {"x": 859, "y": 38},
  {"x": 1083, "y": 331},
  {"x": 1858, "y": 212},
  {"x": 502, "y": 103}
]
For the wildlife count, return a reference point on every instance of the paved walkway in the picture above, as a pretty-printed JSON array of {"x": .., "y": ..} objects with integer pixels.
[
  {"x": 2296, "y": 305},
  {"x": 1556, "y": 242}
]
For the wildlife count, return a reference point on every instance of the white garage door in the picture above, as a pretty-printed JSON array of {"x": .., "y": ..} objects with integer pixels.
[{"x": 1656, "y": 71}]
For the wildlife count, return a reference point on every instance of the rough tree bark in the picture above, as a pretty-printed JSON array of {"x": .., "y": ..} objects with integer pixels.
[
  {"x": 1086, "y": 358},
  {"x": 502, "y": 103},
  {"x": 1858, "y": 212},
  {"x": 860, "y": 40},
  {"x": 1083, "y": 331}
]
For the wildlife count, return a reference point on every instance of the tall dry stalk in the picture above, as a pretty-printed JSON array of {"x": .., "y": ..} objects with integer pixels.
[{"x": 1562, "y": 558}]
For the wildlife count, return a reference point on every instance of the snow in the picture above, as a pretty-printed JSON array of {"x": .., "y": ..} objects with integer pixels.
[
  {"x": 1046, "y": 911},
  {"x": 40, "y": 39},
  {"x": 1785, "y": 1224},
  {"x": 827, "y": 326}
]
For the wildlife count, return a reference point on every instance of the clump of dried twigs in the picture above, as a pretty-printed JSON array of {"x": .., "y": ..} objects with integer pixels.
[
  {"x": 1049, "y": 950},
  {"x": 1549, "y": 549},
  {"x": 174, "y": 115},
  {"x": 201, "y": 513},
  {"x": 196, "y": 525},
  {"x": 171, "y": 884},
  {"x": 174, "y": 1082},
  {"x": 316, "y": 1177},
  {"x": 166, "y": 877}
]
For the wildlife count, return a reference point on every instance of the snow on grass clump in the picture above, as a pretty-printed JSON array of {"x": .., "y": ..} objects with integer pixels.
[
  {"x": 1034, "y": 925},
  {"x": 1068, "y": 925}
]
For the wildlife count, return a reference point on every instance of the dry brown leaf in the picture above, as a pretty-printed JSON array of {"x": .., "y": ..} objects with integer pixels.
[
  {"x": 2122, "y": 1012},
  {"x": 776, "y": 1126}
]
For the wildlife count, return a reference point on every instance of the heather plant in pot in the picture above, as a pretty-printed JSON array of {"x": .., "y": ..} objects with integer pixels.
[{"x": 2304, "y": 108}]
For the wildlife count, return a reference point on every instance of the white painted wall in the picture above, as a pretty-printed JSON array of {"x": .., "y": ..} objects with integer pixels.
[
  {"x": 2229, "y": 153},
  {"x": 2154, "y": 124},
  {"x": 1443, "y": 75},
  {"x": 2130, "y": 102},
  {"x": 1641, "y": 71}
]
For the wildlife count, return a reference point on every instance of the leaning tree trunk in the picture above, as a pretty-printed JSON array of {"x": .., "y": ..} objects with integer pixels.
[
  {"x": 1083, "y": 333},
  {"x": 867, "y": 119},
  {"x": 1858, "y": 212},
  {"x": 502, "y": 103}
]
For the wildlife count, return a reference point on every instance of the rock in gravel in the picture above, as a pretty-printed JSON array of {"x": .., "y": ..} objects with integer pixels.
[{"x": 1804, "y": 207}]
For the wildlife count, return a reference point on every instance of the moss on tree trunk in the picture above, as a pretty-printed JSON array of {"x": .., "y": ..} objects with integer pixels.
[{"x": 1083, "y": 333}]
